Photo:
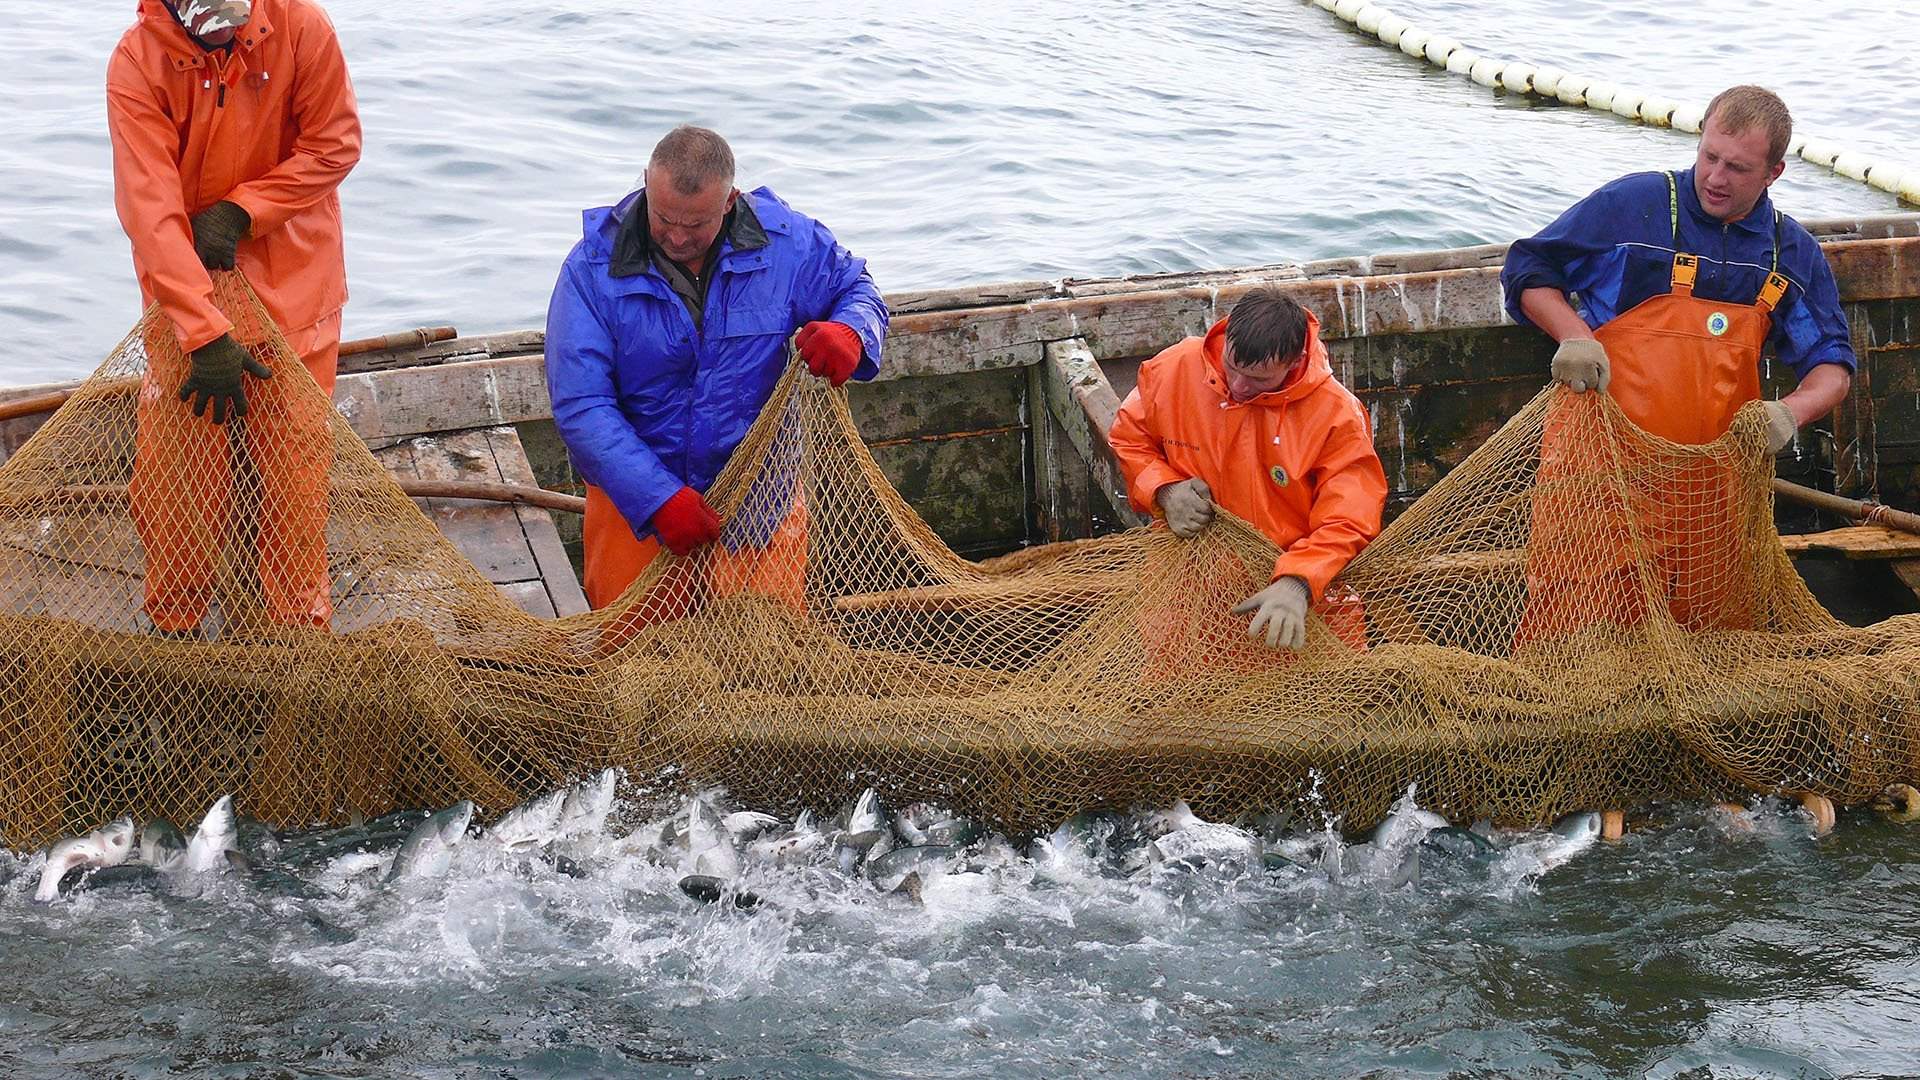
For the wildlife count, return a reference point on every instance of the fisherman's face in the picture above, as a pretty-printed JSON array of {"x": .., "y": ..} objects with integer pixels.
[
  {"x": 1246, "y": 383},
  {"x": 683, "y": 226},
  {"x": 1731, "y": 171},
  {"x": 213, "y": 22}
]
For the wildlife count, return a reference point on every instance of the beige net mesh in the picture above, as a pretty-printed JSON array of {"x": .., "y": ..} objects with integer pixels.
[{"x": 1578, "y": 616}]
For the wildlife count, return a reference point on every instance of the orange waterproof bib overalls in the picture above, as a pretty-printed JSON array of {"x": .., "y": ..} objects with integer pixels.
[{"x": 1682, "y": 366}]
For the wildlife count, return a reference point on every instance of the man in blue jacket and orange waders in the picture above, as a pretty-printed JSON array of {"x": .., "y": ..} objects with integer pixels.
[
  {"x": 1682, "y": 281},
  {"x": 666, "y": 334}
]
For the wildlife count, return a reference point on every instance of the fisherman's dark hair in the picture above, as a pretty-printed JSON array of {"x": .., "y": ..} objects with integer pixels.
[
  {"x": 694, "y": 157},
  {"x": 1266, "y": 327}
]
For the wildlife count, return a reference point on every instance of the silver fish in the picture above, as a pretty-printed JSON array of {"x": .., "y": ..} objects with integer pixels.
[
  {"x": 588, "y": 803},
  {"x": 428, "y": 850},
  {"x": 109, "y": 845},
  {"x": 217, "y": 835},
  {"x": 163, "y": 846},
  {"x": 534, "y": 823}
]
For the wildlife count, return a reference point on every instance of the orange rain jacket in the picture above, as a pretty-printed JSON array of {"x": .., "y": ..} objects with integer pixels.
[
  {"x": 1297, "y": 462},
  {"x": 270, "y": 125}
]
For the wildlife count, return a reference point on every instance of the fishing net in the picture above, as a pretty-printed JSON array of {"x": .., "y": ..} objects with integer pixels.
[{"x": 1578, "y": 616}]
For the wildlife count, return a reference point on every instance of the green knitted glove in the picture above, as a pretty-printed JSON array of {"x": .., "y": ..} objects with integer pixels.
[
  {"x": 216, "y": 378},
  {"x": 217, "y": 230}
]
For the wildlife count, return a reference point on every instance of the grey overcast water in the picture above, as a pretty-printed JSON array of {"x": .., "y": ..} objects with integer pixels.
[{"x": 949, "y": 144}]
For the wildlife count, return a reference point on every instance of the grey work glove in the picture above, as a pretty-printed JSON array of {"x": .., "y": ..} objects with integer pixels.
[
  {"x": 215, "y": 377},
  {"x": 1781, "y": 426},
  {"x": 217, "y": 231},
  {"x": 1280, "y": 610},
  {"x": 1581, "y": 363},
  {"x": 1188, "y": 505}
]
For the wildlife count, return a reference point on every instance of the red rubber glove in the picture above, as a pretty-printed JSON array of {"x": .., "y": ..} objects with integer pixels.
[
  {"x": 831, "y": 350},
  {"x": 685, "y": 522}
]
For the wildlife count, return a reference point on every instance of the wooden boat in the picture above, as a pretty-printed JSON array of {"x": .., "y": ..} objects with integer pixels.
[{"x": 993, "y": 402}]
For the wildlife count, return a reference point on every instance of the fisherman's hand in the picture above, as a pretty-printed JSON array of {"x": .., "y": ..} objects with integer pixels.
[
  {"x": 831, "y": 350},
  {"x": 1581, "y": 364},
  {"x": 685, "y": 522},
  {"x": 1280, "y": 611},
  {"x": 217, "y": 231},
  {"x": 1188, "y": 506},
  {"x": 215, "y": 377},
  {"x": 1781, "y": 426}
]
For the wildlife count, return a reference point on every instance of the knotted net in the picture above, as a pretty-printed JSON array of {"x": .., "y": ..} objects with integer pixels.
[{"x": 1577, "y": 616}]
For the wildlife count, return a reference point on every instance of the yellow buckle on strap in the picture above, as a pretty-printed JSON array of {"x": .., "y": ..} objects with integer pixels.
[
  {"x": 1772, "y": 291},
  {"x": 1685, "y": 266}
]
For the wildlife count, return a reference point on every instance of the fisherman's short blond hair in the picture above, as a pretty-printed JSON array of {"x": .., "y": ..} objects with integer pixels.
[{"x": 1743, "y": 108}]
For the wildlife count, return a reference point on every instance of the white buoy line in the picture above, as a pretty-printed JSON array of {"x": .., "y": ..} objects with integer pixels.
[{"x": 1544, "y": 80}]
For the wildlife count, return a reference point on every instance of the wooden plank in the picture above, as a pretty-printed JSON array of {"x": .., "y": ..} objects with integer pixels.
[
  {"x": 1854, "y": 542},
  {"x": 449, "y": 397},
  {"x": 1081, "y": 401},
  {"x": 1908, "y": 571},
  {"x": 560, "y": 585}
]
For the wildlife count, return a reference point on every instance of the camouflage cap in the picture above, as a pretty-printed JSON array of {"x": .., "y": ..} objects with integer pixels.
[{"x": 203, "y": 17}]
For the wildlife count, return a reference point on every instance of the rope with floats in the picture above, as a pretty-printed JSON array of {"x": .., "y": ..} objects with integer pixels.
[{"x": 1546, "y": 81}]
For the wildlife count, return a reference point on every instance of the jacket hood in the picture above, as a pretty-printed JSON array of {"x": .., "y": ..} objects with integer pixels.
[
  {"x": 157, "y": 18},
  {"x": 1305, "y": 379}
]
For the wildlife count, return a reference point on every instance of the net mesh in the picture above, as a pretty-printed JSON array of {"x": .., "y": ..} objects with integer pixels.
[{"x": 1577, "y": 616}]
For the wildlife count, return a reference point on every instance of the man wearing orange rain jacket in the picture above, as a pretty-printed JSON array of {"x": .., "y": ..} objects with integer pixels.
[
  {"x": 233, "y": 124},
  {"x": 1250, "y": 418}
]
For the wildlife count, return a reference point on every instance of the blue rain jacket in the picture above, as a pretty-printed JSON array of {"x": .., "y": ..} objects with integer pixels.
[
  {"x": 645, "y": 401},
  {"x": 1615, "y": 248}
]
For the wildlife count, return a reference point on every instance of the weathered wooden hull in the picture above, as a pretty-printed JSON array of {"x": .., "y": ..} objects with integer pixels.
[{"x": 990, "y": 412}]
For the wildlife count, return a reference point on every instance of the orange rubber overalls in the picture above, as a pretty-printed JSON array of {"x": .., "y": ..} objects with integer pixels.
[
  {"x": 271, "y": 125},
  {"x": 1681, "y": 368}
]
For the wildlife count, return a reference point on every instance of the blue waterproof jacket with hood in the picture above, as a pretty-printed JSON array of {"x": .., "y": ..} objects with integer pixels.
[{"x": 645, "y": 400}]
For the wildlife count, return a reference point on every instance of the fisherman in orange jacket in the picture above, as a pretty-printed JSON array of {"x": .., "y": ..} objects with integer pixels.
[
  {"x": 1250, "y": 418},
  {"x": 233, "y": 123}
]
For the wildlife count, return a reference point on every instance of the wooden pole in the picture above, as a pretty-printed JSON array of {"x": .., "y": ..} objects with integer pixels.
[
  {"x": 478, "y": 490},
  {"x": 405, "y": 339},
  {"x": 1852, "y": 509}
]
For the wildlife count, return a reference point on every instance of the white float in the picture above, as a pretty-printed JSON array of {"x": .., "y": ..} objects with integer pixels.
[
  {"x": 1367, "y": 19},
  {"x": 1657, "y": 111},
  {"x": 1689, "y": 117},
  {"x": 1600, "y": 95},
  {"x": 1486, "y": 71},
  {"x": 1573, "y": 89},
  {"x": 1517, "y": 78},
  {"x": 1627, "y": 103},
  {"x": 1851, "y": 165},
  {"x": 1461, "y": 60},
  {"x": 1413, "y": 42},
  {"x": 1439, "y": 49},
  {"x": 1819, "y": 151},
  {"x": 1886, "y": 175},
  {"x": 1546, "y": 81},
  {"x": 1391, "y": 27},
  {"x": 1347, "y": 9}
]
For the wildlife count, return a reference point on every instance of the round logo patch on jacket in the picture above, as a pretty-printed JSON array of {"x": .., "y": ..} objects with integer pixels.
[
  {"x": 1717, "y": 323},
  {"x": 1279, "y": 475}
]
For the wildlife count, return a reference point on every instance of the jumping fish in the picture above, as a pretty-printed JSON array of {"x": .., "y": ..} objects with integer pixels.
[
  {"x": 534, "y": 823},
  {"x": 109, "y": 845},
  {"x": 1572, "y": 835},
  {"x": 216, "y": 836},
  {"x": 588, "y": 802},
  {"x": 163, "y": 846},
  {"x": 428, "y": 850}
]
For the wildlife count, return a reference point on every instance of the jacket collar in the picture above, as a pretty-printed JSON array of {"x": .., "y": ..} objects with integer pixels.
[
  {"x": 183, "y": 52},
  {"x": 633, "y": 242},
  {"x": 1306, "y": 378},
  {"x": 1758, "y": 220}
]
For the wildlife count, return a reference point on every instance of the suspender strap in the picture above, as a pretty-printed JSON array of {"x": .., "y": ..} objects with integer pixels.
[
  {"x": 1673, "y": 209},
  {"x": 1685, "y": 266}
]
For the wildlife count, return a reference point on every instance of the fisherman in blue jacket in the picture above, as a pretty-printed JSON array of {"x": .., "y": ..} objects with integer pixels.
[
  {"x": 1683, "y": 280},
  {"x": 666, "y": 334}
]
